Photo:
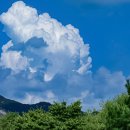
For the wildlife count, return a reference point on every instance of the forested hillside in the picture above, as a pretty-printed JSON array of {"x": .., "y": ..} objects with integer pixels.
[
  {"x": 114, "y": 115},
  {"x": 8, "y": 105}
]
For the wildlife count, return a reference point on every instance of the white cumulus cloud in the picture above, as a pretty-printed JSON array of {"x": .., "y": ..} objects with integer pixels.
[
  {"x": 47, "y": 61},
  {"x": 47, "y": 96},
  {"x": 62, "y": 47},
  {"x": 12, "y": 59}
]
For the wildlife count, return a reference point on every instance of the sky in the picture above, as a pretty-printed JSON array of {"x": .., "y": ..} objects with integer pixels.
[{"x": 64, "y": 50}]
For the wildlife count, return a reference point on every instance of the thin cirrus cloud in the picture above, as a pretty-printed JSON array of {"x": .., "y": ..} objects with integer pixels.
[
  {"x": 45, "y": 60},
  {"x": 100, "y": 2}
]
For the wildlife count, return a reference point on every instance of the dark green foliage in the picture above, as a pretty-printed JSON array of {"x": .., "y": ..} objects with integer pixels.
[
  {"x": 116, "y": 114},
  {"x": 128, "y": 91},
  {"x": 7, "y": 122},
  {"x": 92, "y": 121},
  {"x": 59, "y": 117},
  {"x": 63, "y": 112},
  {"x": 128, "y": 86},
  {"x": 35, "y": 120}
]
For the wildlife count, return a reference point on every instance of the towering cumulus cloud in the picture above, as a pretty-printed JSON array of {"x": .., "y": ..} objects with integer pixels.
[
  {"x": 45, "y": 60},
  {"x": 61, "y": 49}
]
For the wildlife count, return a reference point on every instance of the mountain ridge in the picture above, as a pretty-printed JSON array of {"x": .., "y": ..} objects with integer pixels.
[{"x": 8, "y": 105}]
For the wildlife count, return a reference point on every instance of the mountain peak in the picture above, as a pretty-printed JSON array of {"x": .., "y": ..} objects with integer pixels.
[{"x": 8, "y": 105}]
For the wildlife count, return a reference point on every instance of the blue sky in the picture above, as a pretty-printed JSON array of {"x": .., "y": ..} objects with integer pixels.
[{"x": 105, "y": 26}]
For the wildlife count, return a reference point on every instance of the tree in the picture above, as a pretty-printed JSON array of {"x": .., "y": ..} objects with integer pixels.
[
  {"x": 116, "y": 114},
  {"x": 60, "y": 117},
  {"x": 69, "y": 115},
  {"x": 35, "y": 120},
  {"x": 63, "y": 112},
  {"x": 127, "y": 85},
  {"x": 7, "y": 121},
  {"x": 92, "y": 121}
]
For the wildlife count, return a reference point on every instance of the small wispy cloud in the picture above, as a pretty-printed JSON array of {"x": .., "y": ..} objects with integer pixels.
[{"x": 99, "y": 2}]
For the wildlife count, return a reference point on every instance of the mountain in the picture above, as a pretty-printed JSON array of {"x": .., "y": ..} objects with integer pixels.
[{"x": 7, "y": 105}]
